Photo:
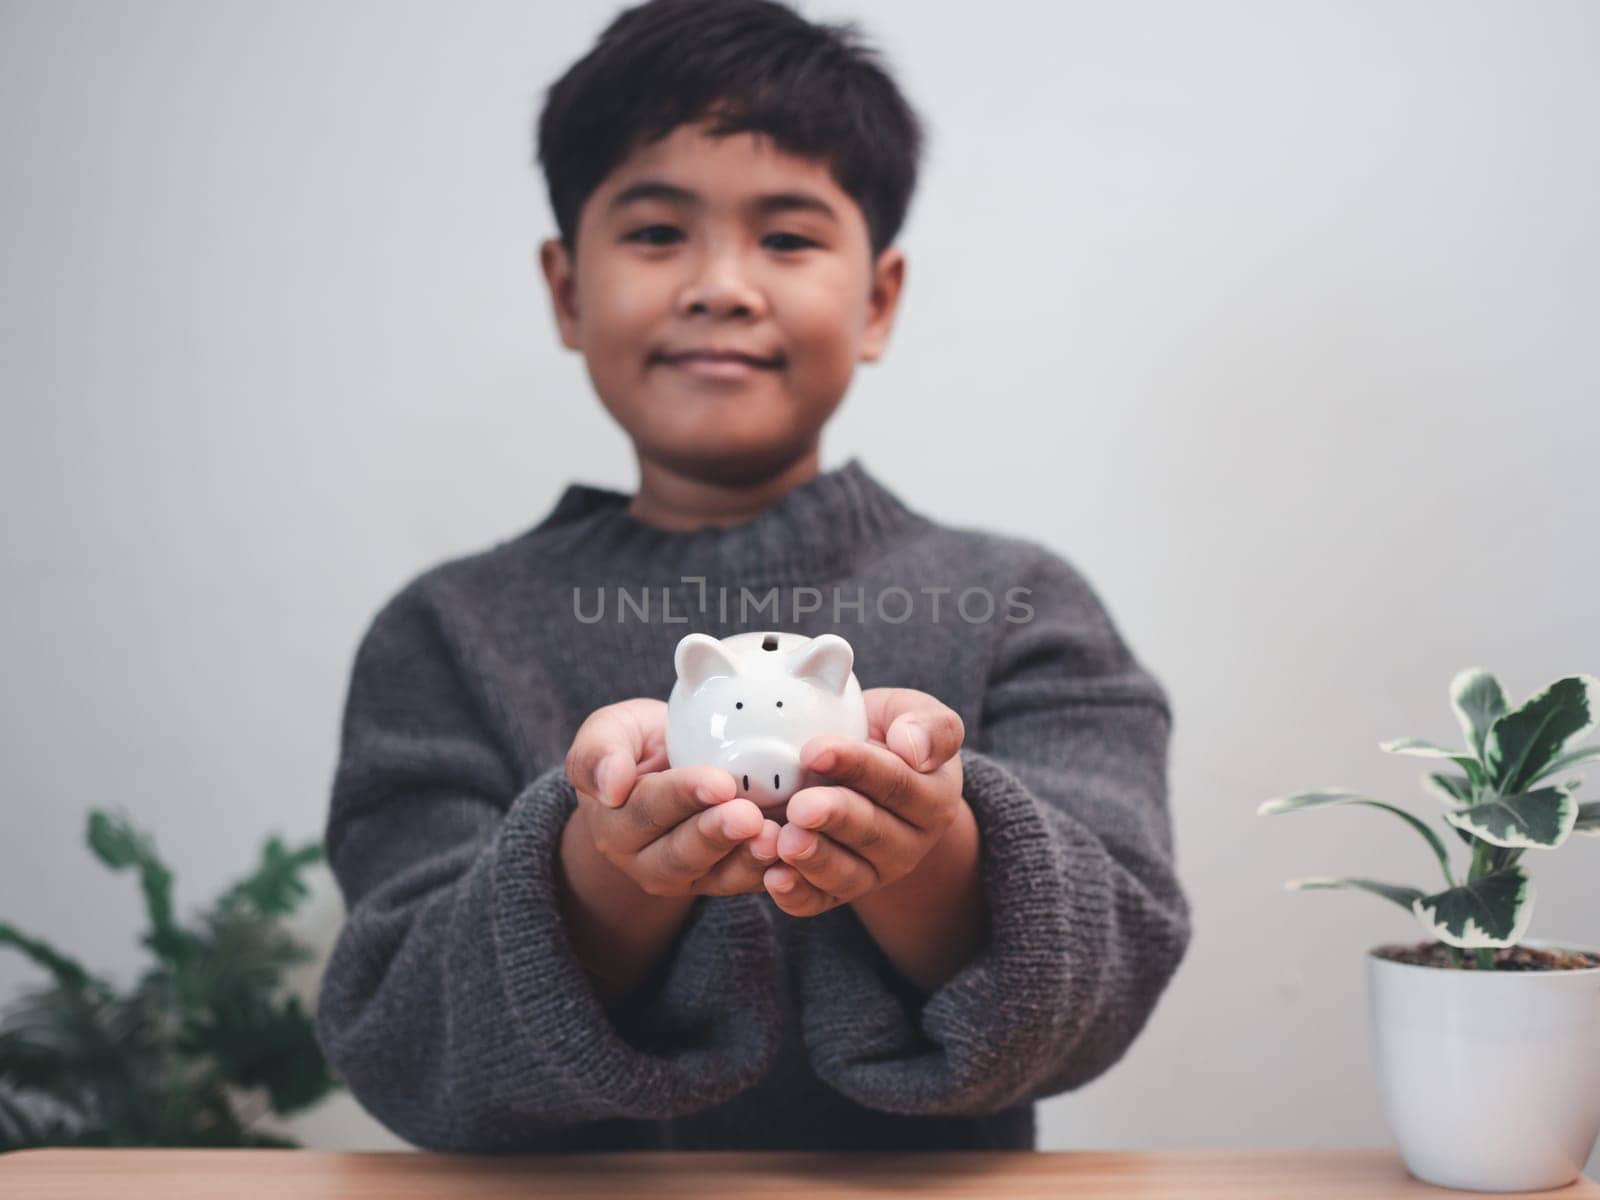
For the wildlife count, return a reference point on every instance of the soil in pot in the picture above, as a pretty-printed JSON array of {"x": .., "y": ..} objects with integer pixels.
[{"x": 1508, "y": 958}]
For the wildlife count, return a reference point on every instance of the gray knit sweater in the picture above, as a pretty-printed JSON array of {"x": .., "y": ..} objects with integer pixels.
[{"x": 453, "y": 1005}]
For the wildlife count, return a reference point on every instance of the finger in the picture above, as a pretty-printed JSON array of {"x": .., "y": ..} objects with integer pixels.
[
  {"x": 737, "y": 874},
  {"x": 663, "y": 800},
  {"x": 741, "y": 869},
  {"x": 791, "y": 892},
  {"x": 915, "y": 725},
  {"x": 879, "y": 774},
  {"x": 616, "y": 744},
  {"x": 761, "y": 850},
  {"x": 765, "y": 844},
  {"x": 856, "y": 823},
  {"x": 672, "y": 862},
  {"x": 825, "y": 864}
]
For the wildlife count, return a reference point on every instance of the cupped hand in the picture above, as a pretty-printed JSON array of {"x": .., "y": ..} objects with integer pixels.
[
  {"x": 890, "y": 800},
  {"x": 675, "y": 831}
]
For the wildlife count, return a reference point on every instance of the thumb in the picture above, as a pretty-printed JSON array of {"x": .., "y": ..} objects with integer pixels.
[{"x": 614, "y": 779}]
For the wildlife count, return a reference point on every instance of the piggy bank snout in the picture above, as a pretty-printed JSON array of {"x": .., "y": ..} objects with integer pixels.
[{"x": 766, "y": 770}]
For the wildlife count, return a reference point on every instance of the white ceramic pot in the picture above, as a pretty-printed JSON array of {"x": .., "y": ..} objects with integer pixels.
[{"x": 1490, "y": 1079}]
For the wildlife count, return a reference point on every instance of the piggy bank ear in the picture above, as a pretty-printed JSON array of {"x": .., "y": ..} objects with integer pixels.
[
  {"x": 825, "y": 661},
  {"x": 700, "y": 657}
]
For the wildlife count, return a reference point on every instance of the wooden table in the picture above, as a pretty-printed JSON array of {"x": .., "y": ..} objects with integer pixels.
[{"x": 1117, "y": 1175}]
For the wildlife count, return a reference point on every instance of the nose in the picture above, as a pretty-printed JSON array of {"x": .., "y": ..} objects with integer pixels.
[
  {"x": 721, "y": 288},
  {"x": 766, "y": 770}
]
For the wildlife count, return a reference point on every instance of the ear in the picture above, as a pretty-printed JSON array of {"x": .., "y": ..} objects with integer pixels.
[
  {"x": 826, "y": 661},
  {"x": 560, "y": 276},
  {"x": 888, "y": 278},
  {"x": 700, "y": 657}
]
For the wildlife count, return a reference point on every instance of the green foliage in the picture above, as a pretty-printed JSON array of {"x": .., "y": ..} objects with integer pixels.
[
  {"x": 1493, "y": 806},
  {"x": 201, "y": 1047}
]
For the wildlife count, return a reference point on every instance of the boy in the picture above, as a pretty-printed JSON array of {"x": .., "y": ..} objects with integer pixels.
[{"x": 554, "y": 941}]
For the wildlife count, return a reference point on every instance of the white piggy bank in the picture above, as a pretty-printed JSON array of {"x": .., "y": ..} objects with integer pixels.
[{"x": 749, "y": 702}]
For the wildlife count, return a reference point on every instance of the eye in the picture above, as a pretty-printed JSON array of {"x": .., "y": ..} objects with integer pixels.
[
  {"x": 794, "y": 237},
  {"x": 638, "y": 235},
  {"x": 780, "y": 703},
  {"x": 738, "y": 703}
]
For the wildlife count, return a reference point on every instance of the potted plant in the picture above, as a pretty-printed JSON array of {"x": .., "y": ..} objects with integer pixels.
[
  {"x": 206, "y": 1045},
  {"x": 1487, "y": 1049}
]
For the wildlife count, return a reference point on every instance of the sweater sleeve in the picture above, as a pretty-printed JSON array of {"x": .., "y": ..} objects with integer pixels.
[
  {"x": 1066, "y": 775},
  {"x": 453, "y": 1005}
]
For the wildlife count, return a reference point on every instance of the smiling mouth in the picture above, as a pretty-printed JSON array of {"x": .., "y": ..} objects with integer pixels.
[
  {"x": 707, "y": 367},
  {"x": 719, "y": 355}
]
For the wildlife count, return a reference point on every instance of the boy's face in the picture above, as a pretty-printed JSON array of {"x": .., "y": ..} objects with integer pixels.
[{"x": 710, "y": 267}]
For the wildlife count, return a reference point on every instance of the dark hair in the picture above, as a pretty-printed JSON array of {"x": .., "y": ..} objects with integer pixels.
[{"x": 748, "y": 65}]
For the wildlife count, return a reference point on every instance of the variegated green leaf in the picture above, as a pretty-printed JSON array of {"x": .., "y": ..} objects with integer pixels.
[
  {"x": 1576, "y": 758},
  {"x": 1588, "y": 822},
  {"x": 1543, "y": 817},
  {"x": 1418, "y": 747},
  {"x": 1478, "y": 702},
  {"x": 1330, "y": 796},
  {"x": 1403, "y": 896},
  {"x": 1453, "y": 790},
  {"x": 1521, "y": 744},
  {"x": 69, "y": 974},
  {"x": 1423, "y": 749},
  {"x": 1491, "y": 911}
]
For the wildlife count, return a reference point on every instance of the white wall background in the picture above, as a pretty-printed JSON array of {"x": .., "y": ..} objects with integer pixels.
[{"x": 1279, "y": 317}]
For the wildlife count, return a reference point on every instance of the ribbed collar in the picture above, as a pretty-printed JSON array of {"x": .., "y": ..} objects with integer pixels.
[{"x": 823, "y": 528}]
